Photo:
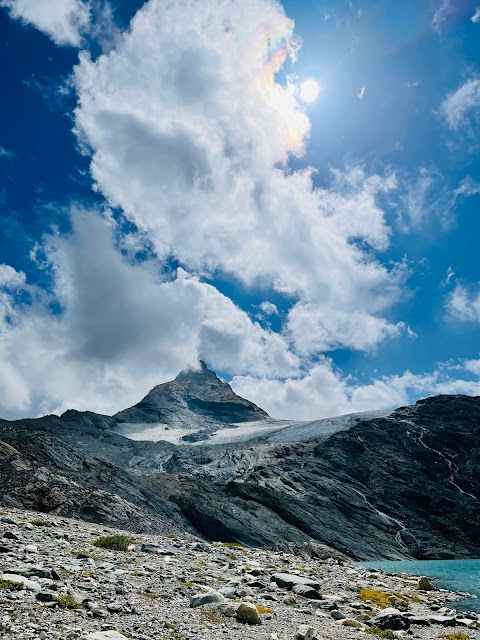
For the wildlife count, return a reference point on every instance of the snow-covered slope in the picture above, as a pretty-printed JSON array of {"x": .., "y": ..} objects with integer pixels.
[{"x": 272, "y": 431}]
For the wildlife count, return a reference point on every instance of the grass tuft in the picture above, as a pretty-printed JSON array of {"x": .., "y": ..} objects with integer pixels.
[
  {"x": 40, "y": 523},
  {"x": 211, "y": 615},
  {"x": 115, "y": 543},
  {"x": 380, "y": 633},
  {"x": 457, "y": 635},
  {"x": 11, "y": 585},
  {"x": 374, "y": 595},
  {"x": 66, "y": 601}
]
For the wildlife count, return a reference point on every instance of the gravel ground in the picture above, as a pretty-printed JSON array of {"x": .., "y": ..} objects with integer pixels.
[{"x": 180, "y": 587}]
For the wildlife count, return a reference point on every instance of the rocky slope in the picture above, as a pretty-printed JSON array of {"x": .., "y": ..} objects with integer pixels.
[
  {"x": 368, "y": 485},
  {"x": 56, "y": 583}
]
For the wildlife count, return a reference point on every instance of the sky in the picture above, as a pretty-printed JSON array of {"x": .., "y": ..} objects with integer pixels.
[{"x": 290, "y": 192}]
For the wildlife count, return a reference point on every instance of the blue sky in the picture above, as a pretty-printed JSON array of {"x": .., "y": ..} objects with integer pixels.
[{"x": 167, "y": 195}]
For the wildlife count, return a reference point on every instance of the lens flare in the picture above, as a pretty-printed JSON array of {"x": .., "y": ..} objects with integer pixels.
[{"x": 309, "y": 90}]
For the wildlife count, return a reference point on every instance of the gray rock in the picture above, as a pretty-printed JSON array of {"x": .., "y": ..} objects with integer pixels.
[
  {"x": 248, "y": 614},
  {"x": 391, "y": 619},
  {"x": 106, "y": 635},
  {"x": 304, "y": 632},
  {"x": 228, "y": 609},
  {"x": 30, "y": 585},
  {"x": 288, "y": 581},
  {"x": 306, "y": 592},
  {"x": 206, "y": 597},
  {"x": 421, "y": 621},
  {"x": 424, "y": 584},
  {"x": 9, "y": 535},
  {"x": 337, "y": 615},
  {"x": 445, "y": 621}
]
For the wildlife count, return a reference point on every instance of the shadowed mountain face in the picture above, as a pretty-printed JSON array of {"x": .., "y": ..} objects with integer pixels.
[{"x": 369, "y": 485}]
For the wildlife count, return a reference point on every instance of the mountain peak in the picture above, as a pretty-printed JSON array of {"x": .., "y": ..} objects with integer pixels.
[
  {"x": 195, "y": 399},
  {"x": 197, "y": 370}
]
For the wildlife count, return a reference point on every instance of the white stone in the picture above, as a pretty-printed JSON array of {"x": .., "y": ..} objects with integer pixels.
[{"x": 106, "y": 635}]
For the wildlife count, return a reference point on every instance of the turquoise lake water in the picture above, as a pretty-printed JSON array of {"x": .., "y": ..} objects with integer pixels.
[{"x": 458, "y": 575}]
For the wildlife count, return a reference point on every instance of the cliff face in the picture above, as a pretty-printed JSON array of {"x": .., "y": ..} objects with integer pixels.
[{"x": 397, "y": 486}]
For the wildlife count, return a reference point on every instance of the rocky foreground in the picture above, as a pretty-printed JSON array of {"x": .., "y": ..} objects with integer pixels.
[{"x": 54, "y": 583}]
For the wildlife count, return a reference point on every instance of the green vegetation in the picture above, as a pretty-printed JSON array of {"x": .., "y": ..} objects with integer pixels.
[
  {"x": 66, "y": 601},
  {"x": 115, "y": 543},
  {"x": 211, "y": 615},
  {"x": 380, "y": 633},
  {"x": 232, "y": 545},
  {"x": 457, "y": 635},
  {"x": 40, "y": 523},
  {"x": 189, "y": 584},
  {"x": 11, "y": 585},
  {"x": 374, "y": 595},
  {"x": 168, "y": 625}
]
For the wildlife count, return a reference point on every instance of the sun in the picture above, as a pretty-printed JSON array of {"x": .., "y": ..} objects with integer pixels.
[{"x": 309, "y": 90}]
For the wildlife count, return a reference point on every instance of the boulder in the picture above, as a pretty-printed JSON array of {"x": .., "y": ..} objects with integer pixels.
[
  {"x": 30, "y": 585},
  {"x": 445, "y": 621},
  {"x": 424, "y": 584},
  {"x": 228, "y": 609},
  {"x": 350, "y": 622},
  {"x": 304, "y": 632},
  {"x": 288, "y": 581},
  {"x": 248, "y": 614},
  {"x": 307, "y": 592},
  {"x": 206, "y": 597},
  {"x": 391, "y": 619},
  {"x": 337, "y": 615}
]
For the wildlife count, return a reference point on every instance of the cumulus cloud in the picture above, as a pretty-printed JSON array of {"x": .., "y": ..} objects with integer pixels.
[
  {"x": 461, "y": 108},
  {"x": 193, "y": 146},
  {"x": 476, "y": 16},
  {"x": 314, "y": 329},
  {"x": 322, "y": 392},
  {"x": 63, "y": 21},
  {"x": 110, "y": 329},
  {"x": 464, "y": 303}
]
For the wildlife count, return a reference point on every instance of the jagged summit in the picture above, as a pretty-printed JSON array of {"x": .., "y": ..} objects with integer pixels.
[{"x": 196, "y": 398}]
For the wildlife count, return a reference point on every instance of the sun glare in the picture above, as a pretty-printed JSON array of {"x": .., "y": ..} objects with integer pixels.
[{"x": 309, "y": 90}]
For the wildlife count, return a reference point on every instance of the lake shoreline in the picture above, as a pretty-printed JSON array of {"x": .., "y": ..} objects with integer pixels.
[{"x": 460, "y": 577}]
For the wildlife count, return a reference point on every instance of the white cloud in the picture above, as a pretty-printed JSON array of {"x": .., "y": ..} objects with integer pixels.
[
  {"x": 461, "y": 108},
  {"x": 444, "y": 12},
  {"x": 361, "y": 93},
  {"x": 428, "y": 197},
  {"x": 464, "y": 303},
  {"x": 476, "y": 16},
  {"x": 6, "y": 153},
  {"x": 322, "y": 392},
  {"x": 192, "y": 145},
  {"x": 473, "y": 366},
  {"x": 64, "y": 21},
  {"x": 268, "y": 308},
  {"x": 10, "y": 278},
  {"x": 122, "y": 328},
  {"x": 314, "y": 328}
]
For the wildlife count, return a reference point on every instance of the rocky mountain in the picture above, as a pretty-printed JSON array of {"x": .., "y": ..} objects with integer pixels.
[
  {"x": 198, "y": 458},
  {"x": 196, "y": 402}
]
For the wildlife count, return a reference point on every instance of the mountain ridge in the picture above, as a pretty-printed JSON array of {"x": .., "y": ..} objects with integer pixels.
[{"x": 396, "y": 485}]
